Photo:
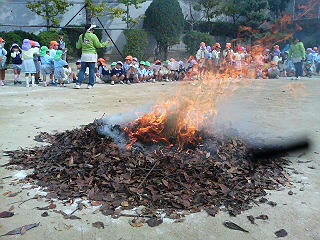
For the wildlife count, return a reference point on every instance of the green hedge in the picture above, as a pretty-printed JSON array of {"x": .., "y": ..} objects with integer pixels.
[
  {"x": 193, "y": 39},
  {"x": 136, "y": 43}
]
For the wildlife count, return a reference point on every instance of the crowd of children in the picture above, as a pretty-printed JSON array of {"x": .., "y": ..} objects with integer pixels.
[{"x": 48, "y": 64}]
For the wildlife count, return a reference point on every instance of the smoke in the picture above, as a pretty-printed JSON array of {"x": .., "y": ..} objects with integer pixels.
[{"x": 112, "y": 126}]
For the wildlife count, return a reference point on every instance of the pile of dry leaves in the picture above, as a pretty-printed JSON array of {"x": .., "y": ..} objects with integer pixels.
[{"x": 84, "y": 163}]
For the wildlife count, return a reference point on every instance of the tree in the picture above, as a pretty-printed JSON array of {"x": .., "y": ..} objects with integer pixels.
[
  {"x": 210, "y": 8},
  {"x": 233, "y": 9},
  {"x": 49, "y": 10},
  {"x": 255, "y": 12},
  {"x": 124, "y": 13},
  {"x": 93, "y": 10},
  {"x": 165, "y": 21},
  {"x": 278, "y": 7}
]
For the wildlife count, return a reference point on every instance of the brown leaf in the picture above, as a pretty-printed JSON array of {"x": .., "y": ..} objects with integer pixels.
[
  {"x": 23, "y": 230},
  {"x": 98, "y": 225},
  {"x": 281, "y": 233},
  {"x": 45, "y": 214},
  {"x": 165, "y": 182},
  {"x": 13, "y": 194},
  {"x": 11, "y": 208},
  {"x": 136, "y": 222},
  {"x": 6, "y": 214},
  {"x": 225, "y": 190},
  {"x": 154, "y": 221}
]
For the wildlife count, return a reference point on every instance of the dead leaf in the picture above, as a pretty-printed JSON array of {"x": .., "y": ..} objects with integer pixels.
[
  {"x": 6, "y": 214},
  {"x": 11, "y": 208},
  {"x": 98, "y": 225},
  {"x": 154, "y": 221},
  {"x": 23, "y": 230},
  {"x": 225, "y": 190},
  {"x": 45, "y": 214},
  {"x": 281, "y": 233},
  {"x": 136, "y": 222}
]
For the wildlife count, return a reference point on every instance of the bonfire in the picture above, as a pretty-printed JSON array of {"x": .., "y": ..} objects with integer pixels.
[{"x": 172, "y": 160}]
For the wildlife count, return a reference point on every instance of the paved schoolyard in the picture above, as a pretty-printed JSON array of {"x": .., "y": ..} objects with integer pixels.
[{"x": 273, "y": 110}]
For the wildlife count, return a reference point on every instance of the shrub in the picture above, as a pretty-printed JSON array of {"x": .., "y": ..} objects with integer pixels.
[
  {"x": 192, "y": 40},
  {"x": 225, "y": 29},
  {"x": 136, "y": 45},
  {"x": 47, "y": 36}
]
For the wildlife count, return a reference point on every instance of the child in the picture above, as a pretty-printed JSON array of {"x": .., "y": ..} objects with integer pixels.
[
  {"x": 69, "y": 76},
  {"x": 103, "y": 72},
  {"x": 132, "y": 74},
  {"x": 58, "y": 68},
  {"x": 46, "y": 62},
  {"x": 28, "y": 67},
  {"x": 191, "y": 70},
  {"x": 36, "y": 61},
  {"x": 201, "y": 55},
  {"x": 157, "y": 70},
  {"x": 149, "y": 72},
  {"x": 3, "y": 59},
  {"x": 54, "y": 45},
  {"x": 273, "y": 71},
  {"x": 86, "y": 74},
  {"x": 142, "y": 72},
  {"x": 309, "y": 65},
  {"x": 117, "y": 73},
  {"x": 16, "y": 62}
]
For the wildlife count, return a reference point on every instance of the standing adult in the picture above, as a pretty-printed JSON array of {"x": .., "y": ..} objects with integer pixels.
[
  {"x": 297, "y": 54},
  {"x": 88, "y": 43}
]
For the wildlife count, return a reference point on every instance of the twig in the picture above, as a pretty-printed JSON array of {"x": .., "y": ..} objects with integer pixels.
[
  {"x": 6, "y": 177},
  {"x": 22, "y": 201},
  {"x": 148, "y": 174}
]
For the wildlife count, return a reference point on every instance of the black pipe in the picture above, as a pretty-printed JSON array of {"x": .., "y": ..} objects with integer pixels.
[
  {"x": 266, "y": 152},
  {"x": 76, "y": 15},
  {"x": 110, "y": 37}
]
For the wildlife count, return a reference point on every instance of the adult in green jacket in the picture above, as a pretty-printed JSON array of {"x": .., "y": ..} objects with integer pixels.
[
  {"x": 88, "y": 43},
  {"x": 297, "y": 54}
]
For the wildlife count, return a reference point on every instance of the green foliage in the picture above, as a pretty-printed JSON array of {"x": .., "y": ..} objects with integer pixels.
[
  {"x": 124, "y": 13},
  {"x": 210, "y": 8},
  {"x": 48, "y": 36},
  {"x": 277, "y": 7},
  {"x": 49, "y": 9},
  {"x": 16, "y": 37},
  {"x": 192, "y": 40},
  {"x": 136, "y": 45},
  {"x": 165, "y": 21},
  {"x": 224, "y": 29},
  {"x": 94, "y": 10}
]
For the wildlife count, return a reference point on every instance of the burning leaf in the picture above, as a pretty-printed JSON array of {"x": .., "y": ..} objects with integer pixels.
[
  {"x": 6, "y": 214},
  {"x": 281, "y": 233},
  {"x": 98, "y": 225}
]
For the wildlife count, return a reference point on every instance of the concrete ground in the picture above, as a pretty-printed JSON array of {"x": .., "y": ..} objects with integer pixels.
[{"x": 273, "y": 110}]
